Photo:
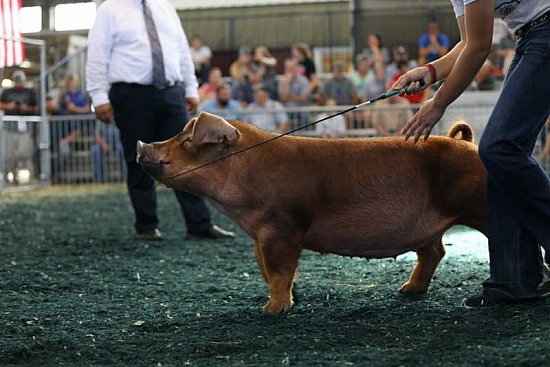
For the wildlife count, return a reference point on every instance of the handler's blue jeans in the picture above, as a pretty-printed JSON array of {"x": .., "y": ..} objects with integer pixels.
[{"x": 518, "y": 189}]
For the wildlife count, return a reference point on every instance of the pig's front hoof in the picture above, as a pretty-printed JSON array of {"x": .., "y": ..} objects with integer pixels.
[
  {"x": 411, "y": 288},
  {"x": 277, "y": 308}
]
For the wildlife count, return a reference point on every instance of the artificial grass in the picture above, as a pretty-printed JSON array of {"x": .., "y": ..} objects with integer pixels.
[{"x": 77, "y": 288}]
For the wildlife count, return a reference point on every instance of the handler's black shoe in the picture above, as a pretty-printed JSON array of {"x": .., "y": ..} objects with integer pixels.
[
  {"x": 213, "y": 233},
  {"x": 482, "y": 301},
  {"x": 153, "y": 235},
  {"x": 477, "y": 301}
]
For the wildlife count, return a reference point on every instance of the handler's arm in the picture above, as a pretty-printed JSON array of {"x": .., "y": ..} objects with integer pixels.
[
  {"x": 478, "y": 24},
  {"x": 458, "y": 68}
]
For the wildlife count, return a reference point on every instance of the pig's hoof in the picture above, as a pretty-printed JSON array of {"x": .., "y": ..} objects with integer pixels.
[
  {"x": 277, "y": 308},
  {"x": 411, "y": 288}
]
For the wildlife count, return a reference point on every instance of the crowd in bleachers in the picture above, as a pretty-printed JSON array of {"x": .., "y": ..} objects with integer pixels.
[{"x": 252, "y": 90}]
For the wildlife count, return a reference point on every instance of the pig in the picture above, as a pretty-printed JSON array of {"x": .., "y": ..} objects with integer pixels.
[{"x": 365, "y": 197}]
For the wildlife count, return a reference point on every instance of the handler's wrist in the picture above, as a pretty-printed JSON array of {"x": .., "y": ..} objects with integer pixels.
[{"x": 433, "y": 73}]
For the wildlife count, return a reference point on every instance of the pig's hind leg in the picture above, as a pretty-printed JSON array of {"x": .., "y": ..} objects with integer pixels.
[
  {"x": 277, "y": 259},
  {"x": 429, "y": 258}
]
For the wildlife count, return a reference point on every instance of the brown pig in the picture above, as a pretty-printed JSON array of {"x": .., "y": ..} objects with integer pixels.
[{"x": 372, "y": 197}]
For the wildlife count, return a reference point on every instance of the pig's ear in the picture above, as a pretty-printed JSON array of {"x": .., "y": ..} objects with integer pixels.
[{"x": 214, "y": 130}]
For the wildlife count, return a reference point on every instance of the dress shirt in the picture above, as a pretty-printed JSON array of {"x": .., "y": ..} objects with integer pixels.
[{"x": 119, "y": 50}]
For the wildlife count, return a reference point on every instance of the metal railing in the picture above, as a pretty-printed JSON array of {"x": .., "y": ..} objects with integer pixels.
[{"x": 83, "y": 150}]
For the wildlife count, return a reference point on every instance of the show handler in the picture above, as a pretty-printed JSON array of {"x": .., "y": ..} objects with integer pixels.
[{"x": 518, "y": 189}]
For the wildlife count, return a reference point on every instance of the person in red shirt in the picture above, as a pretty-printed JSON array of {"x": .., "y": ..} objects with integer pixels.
[{"x": 414, "y": 99}]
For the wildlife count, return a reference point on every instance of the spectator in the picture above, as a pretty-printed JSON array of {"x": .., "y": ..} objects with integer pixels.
[
  {"x": 339, "y": 88},
  {"x": 268, "y": 66},
  {"x": 73, "y": 100},
  {"x": 362, "y": 74},
  {"x": 107, "y": 142},
  {"x": 208, "y": 90},
  {"x": 390, "y": 115},
  {"x": 242, "y": 91},
  {"x": 272, "y": 116},
  {"x": 294, "y": 91},
  {"x": 293, "y": 87},
  {"x": 544, "y": 155},
  {"x": 432, "y": 45},
  {"x": 334, "y": 127},
  {"x": 484, "y": 79},
  {"x": 239, "y": 68},
  {"x": 376, "y": 51},
  {"x": 505, "y": 52},
  {"x": 223, "y": 105},
  {"x": 415, "y": 99},
  {"x": 19, "y": 100},
  {"x": 201, "y": 56},
  {"x": 400, "y": 53},
  {"x": 374, "y": 87},
  {"x": 302, "y": 53}
]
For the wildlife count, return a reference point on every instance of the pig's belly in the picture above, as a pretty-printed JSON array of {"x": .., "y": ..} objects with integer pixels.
[{"x": 375, "y": 238}]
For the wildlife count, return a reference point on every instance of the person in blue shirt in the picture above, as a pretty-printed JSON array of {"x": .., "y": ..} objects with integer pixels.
[
  {"x": 223, "y": 105},
  {"x": 73, "y": 100},
  {"x": 432, "y": 45}
]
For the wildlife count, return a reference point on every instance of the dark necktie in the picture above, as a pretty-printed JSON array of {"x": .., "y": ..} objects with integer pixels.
[{"x": 159, "y": 78}]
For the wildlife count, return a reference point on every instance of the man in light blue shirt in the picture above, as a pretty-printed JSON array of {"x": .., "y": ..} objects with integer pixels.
[
  {"x": 266, "y": 113},
  {"x": 223, "y": 105}
]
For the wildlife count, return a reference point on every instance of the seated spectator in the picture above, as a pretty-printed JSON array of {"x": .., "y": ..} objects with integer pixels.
[
  {"x": 242, "y": 91},
  {"x": 505, "y": 52},
  {"x": 339, "y": 88},
  {"x": 239, "y": 68},
  {"x": 223, "y": 105},
  {"x": 19, "y": 100},
  {"x": 301, "y": 52},
  {"x": 390, "y": 121},
  {"x": 362, "y": 74},
  {"x": 432, "y": 45},
  {"x": 272, "y": 116},
  {"x": 268, "y": 66},
  {"x": 73, "y": 101},
  {"x": 376, "y": 51},
  {"x": 208, "y": 90},
  {"x": 400, "y": 53},
  {"x": 484, "y": 79},
  {"x": 404, "y": 66},
  {"x": 545, "y": 149},
  {"x": 334, "y": 127},
  {"x": 107, "y": 141},
  {"x": 293, "y": 88},
  {"x": 294, "y": 91},
  {"x": 373, "y": 88},
  {"x": 201, "y": 56}
]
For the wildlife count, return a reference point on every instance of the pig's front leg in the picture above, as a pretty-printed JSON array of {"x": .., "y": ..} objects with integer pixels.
[{"x": 277, "y": 258}]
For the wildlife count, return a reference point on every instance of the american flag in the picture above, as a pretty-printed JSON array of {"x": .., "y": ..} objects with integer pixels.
[{"x": 11, "y": 53}]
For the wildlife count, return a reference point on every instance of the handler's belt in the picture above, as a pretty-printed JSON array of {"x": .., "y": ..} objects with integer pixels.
[
  {"x": 532, "y": 24},
  {"x": 163, "y": 86}
]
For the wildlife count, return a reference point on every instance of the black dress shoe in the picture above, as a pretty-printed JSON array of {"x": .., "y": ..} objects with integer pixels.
[
  {"x": 154, "y": 235},
  {"x": 213, "y": 233},
  {"x": 483, "y": 301}
]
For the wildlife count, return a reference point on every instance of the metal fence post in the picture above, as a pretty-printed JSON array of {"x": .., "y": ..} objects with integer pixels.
[
  {"x": 2, "y": 153},
  {"x": 44, "y": 145}
]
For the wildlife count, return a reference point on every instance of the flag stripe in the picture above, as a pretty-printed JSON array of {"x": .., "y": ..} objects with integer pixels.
[{"x": 11, "y": 50}]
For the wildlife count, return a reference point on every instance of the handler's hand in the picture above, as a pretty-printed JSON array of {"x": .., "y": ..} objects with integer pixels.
[
  {"x": 412, "y": 78},
  {"x": 192, "y": 104},
  {"x": 104, "y": 112},
  {"x": 423, "y": 121}
]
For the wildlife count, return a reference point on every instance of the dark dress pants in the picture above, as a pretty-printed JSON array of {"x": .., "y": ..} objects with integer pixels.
[{"x": 149, "y": 114}]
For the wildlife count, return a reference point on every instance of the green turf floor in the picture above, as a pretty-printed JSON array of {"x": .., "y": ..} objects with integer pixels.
[{"x": 76, "y": 288}]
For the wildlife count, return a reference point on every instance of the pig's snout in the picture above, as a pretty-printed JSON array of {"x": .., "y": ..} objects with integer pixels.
[{"x": 146, "y": 160}]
